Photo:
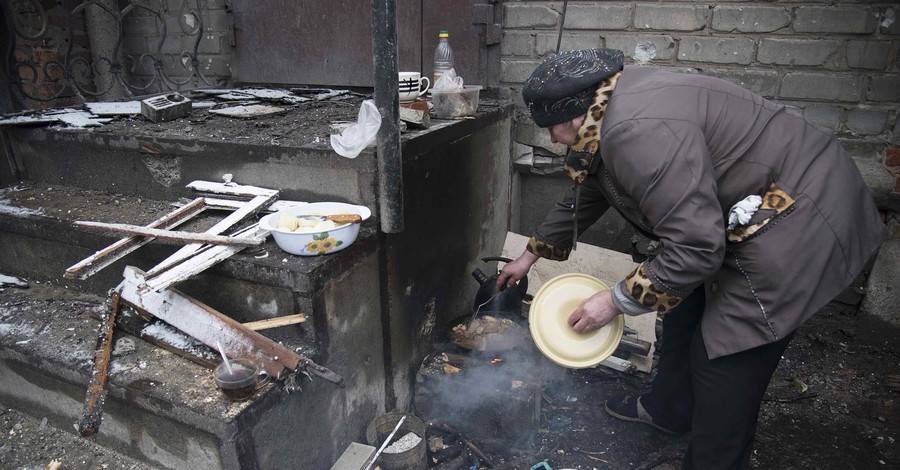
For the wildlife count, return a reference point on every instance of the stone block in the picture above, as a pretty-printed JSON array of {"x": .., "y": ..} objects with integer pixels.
[
  {"x": 546, "y": 43},
  {"x": 761, "y": 82},
  {"x": 885, "y": 88},
  {"x": 670, "y": 17},
  {"x": 835, "y": 19},
  {"x": 750, "y": 19},
  {"x": 797, "y": 52},
  {"x": 215, "y": 65},
  {"x": 214, "y": 21},
  {"x": 134, "y": 44},
  {"x": 209, "y": 44},
  {"x": 517, "y": 70},
  {"x": 882, "y": 294},
  {"x": 895, "y": 139},
  {"x": 871, "y": 55},
  {"x": 821, "y": 86},
  {"x": 866, "y": 121},
  {"x": 870, "y": 164},
  {"x": 139, "y": 25},
  {"x": 356, "y": 457},
  {"x": 528, "y": 133},
  {"x": 889, "y": 22},
  {"x": 530, "y": 16},
  {"x": 716, "y": 50},
  {"x": 517, "y": 43},
  {"x": 664, "y": 44},
  {"x": 598, "y": 16},
  {"x": 825, "y": 116},
  {"x": 216, "y": 4}
]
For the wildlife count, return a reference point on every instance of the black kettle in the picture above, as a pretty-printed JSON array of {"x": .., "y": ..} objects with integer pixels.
[{"x": 507, "y": 302}]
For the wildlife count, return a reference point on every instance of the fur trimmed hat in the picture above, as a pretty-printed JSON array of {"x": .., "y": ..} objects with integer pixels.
[{"x": 563, "y": 86}]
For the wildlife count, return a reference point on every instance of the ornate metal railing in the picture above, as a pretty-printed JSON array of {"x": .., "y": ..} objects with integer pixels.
[{"x": 72, "y": 50}]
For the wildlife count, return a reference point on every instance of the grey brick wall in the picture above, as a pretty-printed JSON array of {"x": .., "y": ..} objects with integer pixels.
[{"x": 837, "y": 62}]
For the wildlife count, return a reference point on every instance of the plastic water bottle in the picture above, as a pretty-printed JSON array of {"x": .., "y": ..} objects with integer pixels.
[{"x": 443, "y": 56}]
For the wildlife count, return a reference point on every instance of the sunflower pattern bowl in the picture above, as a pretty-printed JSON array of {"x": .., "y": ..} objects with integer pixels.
[{"x": 313, "y": 239}]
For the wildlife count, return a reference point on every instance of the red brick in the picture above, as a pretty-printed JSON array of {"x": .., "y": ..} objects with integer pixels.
[
  {"x": 892, "y": 156},
  {"x": 44, "y": 55}
]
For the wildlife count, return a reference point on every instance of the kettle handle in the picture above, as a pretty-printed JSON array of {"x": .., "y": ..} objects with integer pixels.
[{"x": 522, "y": 284}]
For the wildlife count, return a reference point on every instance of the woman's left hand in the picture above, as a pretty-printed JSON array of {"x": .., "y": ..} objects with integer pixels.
[{"x": 594, "y": 312}]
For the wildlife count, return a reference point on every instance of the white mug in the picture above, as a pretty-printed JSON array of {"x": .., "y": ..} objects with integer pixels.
[{"x": 411, "y": 86}]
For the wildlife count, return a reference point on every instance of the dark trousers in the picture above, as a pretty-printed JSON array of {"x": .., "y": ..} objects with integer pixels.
[{"x": 717, "y": 400}]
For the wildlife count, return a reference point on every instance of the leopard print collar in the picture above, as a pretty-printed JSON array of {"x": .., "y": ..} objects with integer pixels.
[
  {"x": 587, "y": 141},
  {"x": 589, "y": 133}
]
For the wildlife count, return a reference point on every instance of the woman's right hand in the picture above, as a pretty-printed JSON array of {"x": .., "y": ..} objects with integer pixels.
[{"x": 516, "y": 269}]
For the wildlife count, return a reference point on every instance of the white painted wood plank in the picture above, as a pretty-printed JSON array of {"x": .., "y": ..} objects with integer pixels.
[
  {"x": 251, "y": 207},
  {"x": 199, "y": 262},
  {"x": 174, "y": 235},
  {"x": 103, "y": 258},
  {"x": 230, "y": 189}
]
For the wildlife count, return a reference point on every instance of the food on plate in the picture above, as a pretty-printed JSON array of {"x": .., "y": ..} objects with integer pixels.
[{"x": 291, "y": 223}]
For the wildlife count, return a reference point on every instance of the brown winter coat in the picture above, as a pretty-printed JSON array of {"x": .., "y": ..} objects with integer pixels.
[{"x": 677, "y": 152}]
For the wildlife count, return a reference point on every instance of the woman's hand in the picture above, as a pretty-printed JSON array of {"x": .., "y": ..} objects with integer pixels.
[
  {"x": 516, "y": 269},
  {"x": 594, "y": 312}
]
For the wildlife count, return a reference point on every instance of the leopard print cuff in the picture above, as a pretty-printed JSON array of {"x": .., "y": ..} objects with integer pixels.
[
  {"x": 642, "y": 290},
  {"x": 547, "y": 251}
]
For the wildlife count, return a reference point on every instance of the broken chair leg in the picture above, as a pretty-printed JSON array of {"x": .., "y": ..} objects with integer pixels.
[{"x": 96, "y": 392}]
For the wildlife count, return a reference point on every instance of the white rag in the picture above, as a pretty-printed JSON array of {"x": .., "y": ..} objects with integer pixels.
[
  {"x": 357, "y": 136},
  {"x": 741, "y": 212}
]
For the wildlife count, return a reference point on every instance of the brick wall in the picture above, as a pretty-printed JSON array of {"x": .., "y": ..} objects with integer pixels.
[{"x": 836, "y": 61}]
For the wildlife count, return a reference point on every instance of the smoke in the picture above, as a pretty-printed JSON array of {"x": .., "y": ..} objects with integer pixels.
[{"x": 493, "y": 395}]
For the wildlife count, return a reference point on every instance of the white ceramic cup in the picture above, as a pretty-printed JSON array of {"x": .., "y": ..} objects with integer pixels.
[{"x": 411, "y": 86}]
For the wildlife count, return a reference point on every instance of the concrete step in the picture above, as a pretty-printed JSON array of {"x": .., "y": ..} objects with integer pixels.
[
  {"x": 134, "y": 156},
  {"x": 163, "y": 409}
]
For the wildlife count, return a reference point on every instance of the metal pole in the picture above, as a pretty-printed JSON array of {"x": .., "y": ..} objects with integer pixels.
[{"x": 387, "y": 100}]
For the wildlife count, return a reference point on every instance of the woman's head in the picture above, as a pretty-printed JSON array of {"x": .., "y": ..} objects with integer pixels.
[{"x": 562, "y": 87}]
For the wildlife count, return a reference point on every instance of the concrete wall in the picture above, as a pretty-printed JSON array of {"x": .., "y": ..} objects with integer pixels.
[{"x": 456, "y": 206}]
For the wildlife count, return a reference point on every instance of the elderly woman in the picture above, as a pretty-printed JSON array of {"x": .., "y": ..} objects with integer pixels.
[{"x": 762, "y": 220}]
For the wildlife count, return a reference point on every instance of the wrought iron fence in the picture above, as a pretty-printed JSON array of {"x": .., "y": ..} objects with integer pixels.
[{"x": 73, "y": 51}]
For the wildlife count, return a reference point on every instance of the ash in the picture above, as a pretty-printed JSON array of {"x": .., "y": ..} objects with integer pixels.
[{"x": 403, "y": 444}]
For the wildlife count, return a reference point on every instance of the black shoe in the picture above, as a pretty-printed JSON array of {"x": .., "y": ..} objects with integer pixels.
[{"x": 629, "y": 408}]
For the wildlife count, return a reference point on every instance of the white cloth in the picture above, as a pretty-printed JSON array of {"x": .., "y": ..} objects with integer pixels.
[{"x": 741, "y": 212}]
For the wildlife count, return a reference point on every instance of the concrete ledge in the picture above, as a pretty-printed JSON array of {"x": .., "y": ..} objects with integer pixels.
[{"x": 883, "y": 290}]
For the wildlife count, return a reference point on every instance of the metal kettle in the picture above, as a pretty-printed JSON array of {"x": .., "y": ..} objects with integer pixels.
[{"x": 506, "y": 301}]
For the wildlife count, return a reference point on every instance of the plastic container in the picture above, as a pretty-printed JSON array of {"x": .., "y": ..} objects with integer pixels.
[
  {"x": 380, "y": 428},
  {"x": 456, "y": 103},
  {"x": 443, "y": 56}
]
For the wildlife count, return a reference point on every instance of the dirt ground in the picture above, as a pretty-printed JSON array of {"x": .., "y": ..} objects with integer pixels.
[{"x": 834, "y": 403}]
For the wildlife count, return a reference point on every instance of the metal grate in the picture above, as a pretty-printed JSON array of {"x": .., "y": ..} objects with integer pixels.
[{"x": 72, "y": 52}]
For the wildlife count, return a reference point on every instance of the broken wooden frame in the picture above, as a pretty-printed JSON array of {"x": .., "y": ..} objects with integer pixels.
[
  {"x": 212, "y": 327},
  {"x": 151, "y": 293}
]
